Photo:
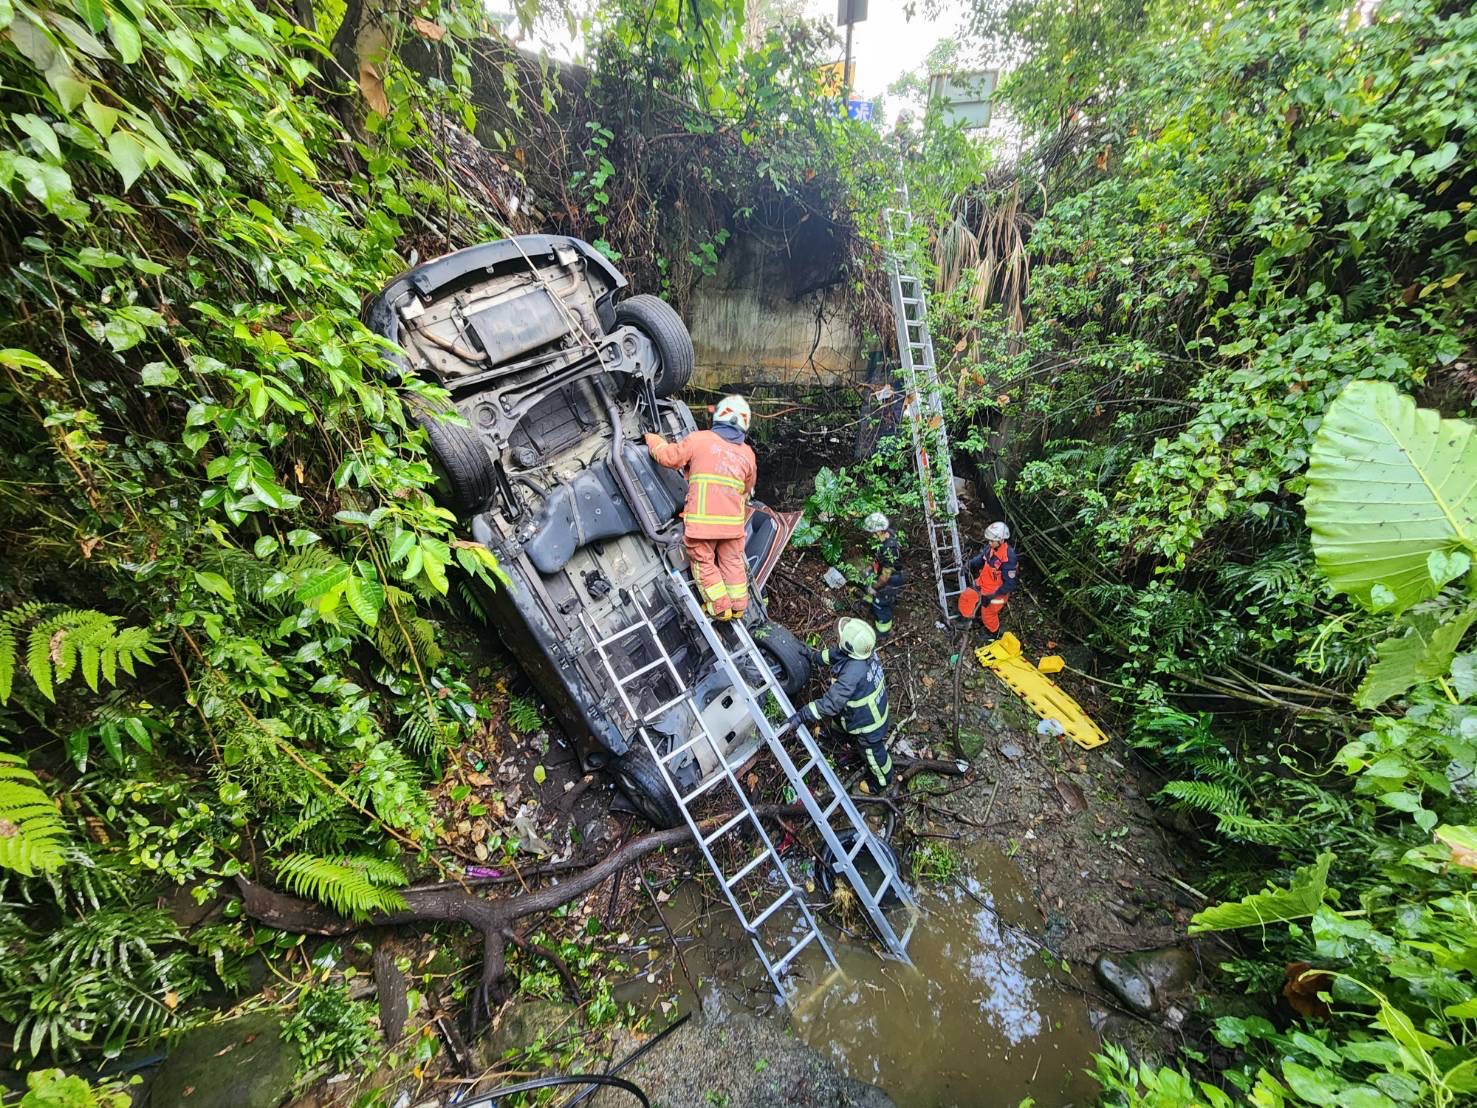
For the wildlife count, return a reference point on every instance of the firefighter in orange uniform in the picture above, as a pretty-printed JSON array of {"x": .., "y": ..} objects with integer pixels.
[
  {"x": 720, "y": 470},
  {"x": 994, "y": 570}
]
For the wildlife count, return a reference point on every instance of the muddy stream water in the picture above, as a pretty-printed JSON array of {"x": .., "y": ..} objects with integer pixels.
[{"x": 977, "y": 1020}]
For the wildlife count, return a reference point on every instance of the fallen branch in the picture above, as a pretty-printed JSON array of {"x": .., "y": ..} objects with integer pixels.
[
  {"x": 492, "y": 918},
  {"x": 910, "y": 768}
]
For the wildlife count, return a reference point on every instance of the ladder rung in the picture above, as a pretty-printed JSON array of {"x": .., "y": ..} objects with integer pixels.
[
  {"x": 800, "y": 773},
  {"x": 779, "y": 967},
  {"x": 709, "y": 840},
  {"x": 635, "y": 673},
  {"x": 754, "y": 864},
  {"x": 685, "y": 747},
  {"x": 662, "y": 709},
  {"x": 704, "y": 787},
  {"x": 622, "y": 633},
  {"x": 771, "y": 910}
]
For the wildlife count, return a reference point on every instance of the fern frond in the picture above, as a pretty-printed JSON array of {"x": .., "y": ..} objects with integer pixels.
[
  {"x": 419, "y": 635},
  {"x": 352, "y": 885},
  {"x": 523, "y": 715},
  {"x": 422, "y": 730},
  {"x": 1227, "y": 802},
  {"x": 1212, "y": 797},
  {"x": 32, "y": 835},
  {"x": 120, "y": 941},
  {"x": 1281, "y": 571},
  {"x": 59, "y": 642}
]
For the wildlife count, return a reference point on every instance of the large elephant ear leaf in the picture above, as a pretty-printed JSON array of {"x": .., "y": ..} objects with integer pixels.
[{"x": 1392, "y": 497}]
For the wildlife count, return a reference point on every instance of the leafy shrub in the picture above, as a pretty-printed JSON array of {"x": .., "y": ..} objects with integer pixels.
[{"x": 331, "y": 1029}]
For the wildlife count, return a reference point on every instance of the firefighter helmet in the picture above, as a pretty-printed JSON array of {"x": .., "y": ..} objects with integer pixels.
[
  {"x": 876, "y": 523},
  {"x": 857, "y": 637},
  {"x": 997, "y": 532},
  {"x": 732, "y": 409}
]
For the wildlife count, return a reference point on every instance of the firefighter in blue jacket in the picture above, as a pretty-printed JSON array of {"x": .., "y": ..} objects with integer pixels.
[
  {"x": 857, "y": 698},
  {"x": 887, "y": 572}
]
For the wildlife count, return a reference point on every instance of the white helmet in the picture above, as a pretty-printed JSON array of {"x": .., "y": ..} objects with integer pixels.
[
  {"x": 857, "y": 637},
  {"x": 997, "y": 532},
  {"x": 732, "y": 409},
  {"x": 876, "y": 523}
]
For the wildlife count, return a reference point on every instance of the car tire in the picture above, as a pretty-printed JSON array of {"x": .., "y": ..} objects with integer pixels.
[
  {"x": 459, "y": 457},
  {"x": 787, "y": 656},
  {"x": 637, "y": 775},
  {"x": 825, "y": 872},
  {"x": 655, "y": 318}
]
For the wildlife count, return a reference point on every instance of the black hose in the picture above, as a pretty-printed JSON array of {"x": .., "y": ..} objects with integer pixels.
[
  {"x": 554, "y": 1081},
  {"x": 637, "y": 1053}
]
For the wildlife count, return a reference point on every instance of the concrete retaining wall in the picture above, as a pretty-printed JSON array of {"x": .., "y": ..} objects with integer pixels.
[{"x": 747, "y": 326}]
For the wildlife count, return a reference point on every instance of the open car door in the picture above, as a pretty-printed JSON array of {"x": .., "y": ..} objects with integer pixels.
[{"x": 769, "y": 533}]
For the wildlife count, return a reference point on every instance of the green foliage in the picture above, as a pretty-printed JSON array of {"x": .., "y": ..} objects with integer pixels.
[
  {"x": 203, "y": 461},
  {"x": 1249, "y": 231},
  {"x": 32, "y": 834},
  {"x": 331, "y": 1029},
  {"x": 1378, "y": 454},
  {"x": 355, "y": 886},
  {"x": 1303, "y": 896},
  {"x": 105, "y": 979},
  {"x": 935, "y": 861},
  {"x": 523, "y": 715},
  {"x": 885, "y": 482},
  {"x": 53, "y": 1088},
  {"x": 59, "y": 643},
  {"x": 1126, "y": 1085}
]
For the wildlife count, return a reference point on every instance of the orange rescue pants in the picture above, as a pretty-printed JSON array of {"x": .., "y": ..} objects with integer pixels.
[
  {"x": 990, "y": 613},
  {"x": 721, "y": 574}
]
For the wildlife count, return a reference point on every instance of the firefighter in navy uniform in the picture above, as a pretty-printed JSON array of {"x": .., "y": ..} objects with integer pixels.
[
  {"x": 994, "y": 573},
  {"x": 856, "y": 702},
  {"x": 887, "y": 572}
]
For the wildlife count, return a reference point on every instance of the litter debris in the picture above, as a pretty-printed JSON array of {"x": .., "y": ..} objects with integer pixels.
[
  {"x": 1046, "y": 699},
  {"x": 833, "y": 578},
  {"x": 1050, "y": 729}
]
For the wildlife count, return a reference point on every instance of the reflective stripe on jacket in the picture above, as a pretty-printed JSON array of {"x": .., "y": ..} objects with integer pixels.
[
  {"x": 720, "y": 477},
  {"x": 857, "y": 696}
]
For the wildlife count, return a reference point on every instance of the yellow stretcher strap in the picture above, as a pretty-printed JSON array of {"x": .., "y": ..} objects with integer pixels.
[{"x": 1044, "y": 696}]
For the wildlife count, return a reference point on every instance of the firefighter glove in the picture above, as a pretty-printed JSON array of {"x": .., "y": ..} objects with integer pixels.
[{"x": 653, "y": 441}]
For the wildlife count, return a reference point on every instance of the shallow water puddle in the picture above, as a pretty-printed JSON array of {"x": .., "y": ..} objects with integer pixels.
[{"x": 977, "y": 1019}]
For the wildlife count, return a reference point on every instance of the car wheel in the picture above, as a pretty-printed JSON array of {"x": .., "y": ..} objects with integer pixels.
[
  {"x": 458, "y": 455},
  {"x": 825, "y": 870},
  {"x": 788, "y": 657},
  {"x": 655, "y": 318},
  {"x": 637, "y": 774}
]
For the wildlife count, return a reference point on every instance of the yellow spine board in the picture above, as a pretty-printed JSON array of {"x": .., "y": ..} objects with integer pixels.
[{"x": 1044, "y": 696}]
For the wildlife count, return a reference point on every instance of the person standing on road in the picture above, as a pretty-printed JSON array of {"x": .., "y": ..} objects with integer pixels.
[
  {"x": 857, "y": 697},
  {"x": 887, "y": 572},
  {"x": 721, "y": 470},
  {"x": 994, "y": 571}
]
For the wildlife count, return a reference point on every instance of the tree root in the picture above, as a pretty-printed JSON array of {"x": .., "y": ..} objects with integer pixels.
[{"x": 492, "y": 918}]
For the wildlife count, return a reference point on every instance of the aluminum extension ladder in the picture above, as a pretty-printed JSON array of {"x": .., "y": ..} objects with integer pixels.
[
  {"x": 838, "y": 821},
  {"x": 924, "y": 407}
]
